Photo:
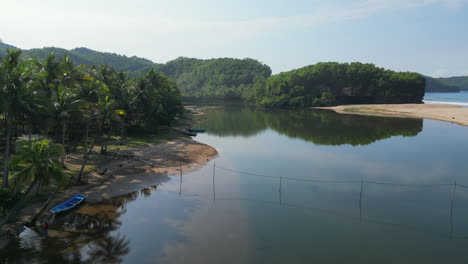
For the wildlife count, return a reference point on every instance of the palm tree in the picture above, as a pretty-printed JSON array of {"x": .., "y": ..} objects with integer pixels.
[
  {"x": 107, "y": 115},
  {"x": 89, "y": 91},
  {"x": 50, "y": 72},
  {"x": 15, "y": 95},
  {"x": 40, "y": 160},
  {"x": 65, "y": 106}
]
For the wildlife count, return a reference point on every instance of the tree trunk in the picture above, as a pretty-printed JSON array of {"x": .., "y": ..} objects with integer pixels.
[
  {"x": 33, "y": 221},
  {"x": 86, "y": 153},
  {"x": 18, "y": 204},
  {"x": 101, "y": 137},
  {"x": 6, "y": 156},
  {"x": 109, "y": 135},
  {"x": 122, "y": 133},
  {"x": 64, "y": 127}
]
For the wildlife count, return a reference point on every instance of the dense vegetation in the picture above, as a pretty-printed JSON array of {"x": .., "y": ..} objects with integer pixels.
[
  {"x": 72, "y": 106},
  {"x": 435, "y": 85},
  {"x": 340, "y": 83},
  {"x": 461, "y": 82},
  {"x": 222, "y": 78},
  {"x": 133, "y": 66},
  {"x": 247, "y": 79}
]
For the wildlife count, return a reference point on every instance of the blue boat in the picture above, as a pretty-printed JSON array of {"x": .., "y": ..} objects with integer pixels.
[
  {"x": 69, "y": 204},
  {"x": 196, "y": 130},
  {"x": 187, "y": 133}
]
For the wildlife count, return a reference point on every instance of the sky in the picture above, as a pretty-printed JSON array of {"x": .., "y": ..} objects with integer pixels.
[{"x": 425, "y": 36}]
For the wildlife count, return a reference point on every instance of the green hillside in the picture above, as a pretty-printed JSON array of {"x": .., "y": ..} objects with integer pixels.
[
  {"x": 460, "y": 82},
  {"x": 134, "y": 66},
  {"x": 330, "y": 83},
  {"x": 223, "y": 78},
  {"x": 434, "y": 85},
  {"x": 248, "y": 79}
]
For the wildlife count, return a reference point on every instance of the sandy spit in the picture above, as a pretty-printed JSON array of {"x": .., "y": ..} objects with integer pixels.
[{"x": 449, "y": 113}]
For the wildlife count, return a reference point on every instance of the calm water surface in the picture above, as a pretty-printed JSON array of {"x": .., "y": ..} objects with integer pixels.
[
  {"x": 460, "y": 98},
  {"x": 288, "y": 187}
]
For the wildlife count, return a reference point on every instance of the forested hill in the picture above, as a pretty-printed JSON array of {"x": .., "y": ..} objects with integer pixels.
[
  {"x": 460, "y": 82},
  {"x": 223, "y": 78},
  {"x": 134, "y": 66},
  {"x": 4, "y": 47},
  {"x": 331, "y": 83},
  {"x": 436, "y": 85},
  {"x": 248, "y": 79}
]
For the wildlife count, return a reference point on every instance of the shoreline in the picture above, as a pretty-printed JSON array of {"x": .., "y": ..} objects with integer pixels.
[
  {"x": 126, "y": 171},
  {"x": 442, "y": 112}
]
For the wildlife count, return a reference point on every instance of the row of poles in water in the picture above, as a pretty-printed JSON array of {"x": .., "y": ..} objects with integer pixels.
[{"x": 361, "y": 182}]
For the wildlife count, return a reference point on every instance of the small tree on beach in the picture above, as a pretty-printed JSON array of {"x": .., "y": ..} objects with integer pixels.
[{"x": 40, "y": 163}]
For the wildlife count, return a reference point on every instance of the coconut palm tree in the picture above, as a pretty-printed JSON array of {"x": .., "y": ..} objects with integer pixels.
[
  {"x": 107, "y": 115},
  {"x": 16, "y": 97},
  {"x": 40, "y": 162},
  {"x": 50, "y": 72},
  {"x": 65, "y": 106}
]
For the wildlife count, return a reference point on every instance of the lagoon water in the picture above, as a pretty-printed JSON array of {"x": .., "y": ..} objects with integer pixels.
[
  {"x": 288, "y": 186},
  {"x": 460, "y": 98}
]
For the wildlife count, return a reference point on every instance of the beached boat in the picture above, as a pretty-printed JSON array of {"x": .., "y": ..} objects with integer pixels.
[
  {"x": 69, "y": 204},
  {"x": 187, "y": 133},
  {"x": 196, "y": 130}
]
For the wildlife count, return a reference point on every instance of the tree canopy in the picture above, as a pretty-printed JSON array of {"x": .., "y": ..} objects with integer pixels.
[
  {"x": 329, "y": 83},
  {"x": 222, "y": 78},
  {"x": 68, "y": 102},
  {"x": 133, "y": 66},
  {"x": 321, "y": 84}
]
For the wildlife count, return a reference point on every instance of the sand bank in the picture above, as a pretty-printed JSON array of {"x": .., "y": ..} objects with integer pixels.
[
  {"x": 128, "y": 171},
  {"x": 442, "y": 112}
]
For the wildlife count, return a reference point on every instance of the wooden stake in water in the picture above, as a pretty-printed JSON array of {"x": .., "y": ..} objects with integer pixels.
[
  {"x": 360, "y": 203},
  {"x": 451, "y": 209},
  {"x": 279, "y": 190},
  {"x": 214, "y": 193},
  {"x": 180, "y": 184}
]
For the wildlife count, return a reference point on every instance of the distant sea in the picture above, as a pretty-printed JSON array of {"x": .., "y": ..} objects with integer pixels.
[{"x": 460, "y": 98}]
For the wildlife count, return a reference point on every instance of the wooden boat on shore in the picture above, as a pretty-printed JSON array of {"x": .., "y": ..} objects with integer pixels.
[
  {"x": 196, "y": 130},
  {"x": 187, "y": 133},
  {"x": 69, "y": 204}
]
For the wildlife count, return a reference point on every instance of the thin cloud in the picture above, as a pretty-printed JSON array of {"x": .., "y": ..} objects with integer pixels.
[{"x": 441, "y": 73}]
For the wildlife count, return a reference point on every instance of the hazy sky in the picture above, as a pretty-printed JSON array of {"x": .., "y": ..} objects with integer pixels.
[{"x": 427, "y": 36}]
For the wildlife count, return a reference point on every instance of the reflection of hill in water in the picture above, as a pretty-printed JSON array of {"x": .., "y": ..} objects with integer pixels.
[
  {"x": 234, "y": 121},
  {"x": 318, "y": 126}
]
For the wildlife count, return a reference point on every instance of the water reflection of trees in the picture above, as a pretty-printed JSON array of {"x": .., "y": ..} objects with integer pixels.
[
  {"x": 84, "y": 236},
  {"x": 109, "y": 249},
  {"x": 318, "y": 126}
]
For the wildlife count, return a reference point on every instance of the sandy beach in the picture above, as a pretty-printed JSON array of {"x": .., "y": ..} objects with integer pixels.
[
  {"x": 449, "y": 113},
  {"x": 128, "y": 171}
]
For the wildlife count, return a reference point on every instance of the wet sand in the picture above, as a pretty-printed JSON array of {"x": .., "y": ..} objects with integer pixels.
[
  {"x": 137, "y": 168},
  {"x": 449, "y": 113}
]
